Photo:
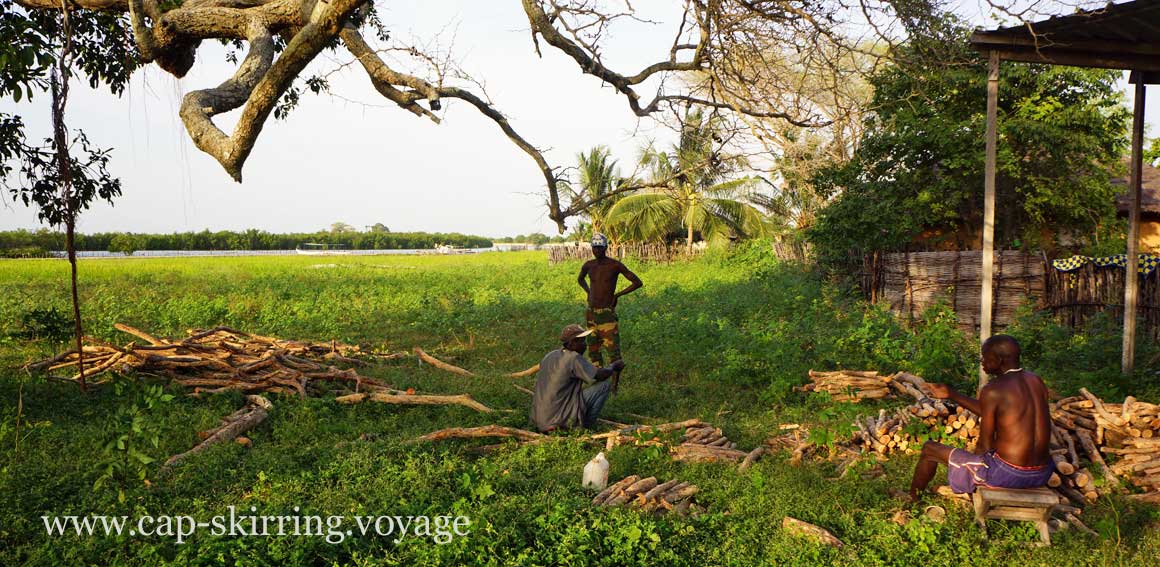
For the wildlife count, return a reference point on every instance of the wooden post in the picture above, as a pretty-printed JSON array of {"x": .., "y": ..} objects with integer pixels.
[
  {"x": 989, "y": 206},
  {"x": 1131, "y": 278}
]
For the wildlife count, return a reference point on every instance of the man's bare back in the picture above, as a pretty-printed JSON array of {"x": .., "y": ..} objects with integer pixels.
[
  {"x": 1016, "y": 403},
  {"x": 1013, "y": 448}
]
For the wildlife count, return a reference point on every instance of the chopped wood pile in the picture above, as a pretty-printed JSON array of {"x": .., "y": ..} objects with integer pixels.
[
  {"x": 1084, "y": 430},
  {"x": 704, "y": 443},
  {"x": 1128, "y": 432},
  {"x": 223, "y": 359},
  {"x": 649, "y": 495},
  {"x": 849, "y": 385},
  {"x": 890, "y": 432}
]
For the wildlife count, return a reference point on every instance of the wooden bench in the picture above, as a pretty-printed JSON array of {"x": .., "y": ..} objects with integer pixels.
[{"x": 1028, "y": 505}]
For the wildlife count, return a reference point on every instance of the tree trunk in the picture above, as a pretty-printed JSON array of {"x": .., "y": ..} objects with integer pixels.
[
  {"x": 60, "y": 136},
  {"x": 70, "y": 245},
  {"x": 689, "y": 241}
]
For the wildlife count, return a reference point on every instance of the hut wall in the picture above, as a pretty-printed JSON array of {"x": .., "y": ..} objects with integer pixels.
[
  {"x": 1077, "y": 295},
  {"x": 912, "y": 281}
]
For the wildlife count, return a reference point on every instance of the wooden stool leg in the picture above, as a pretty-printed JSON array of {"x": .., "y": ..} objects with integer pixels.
[
  {"x": 1044, "y": 527},
  {"x": 980, "y": 511}
]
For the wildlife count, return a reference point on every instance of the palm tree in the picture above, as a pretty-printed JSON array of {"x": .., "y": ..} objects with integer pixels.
[
  {"x": 693, "y": 193},
  {"x": 597, "y": 180}
]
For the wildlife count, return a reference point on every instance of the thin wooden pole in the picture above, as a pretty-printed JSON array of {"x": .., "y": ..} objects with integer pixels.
[
  {"x": 1131, "y": 279},
  {"x": 989, "y": 206}
]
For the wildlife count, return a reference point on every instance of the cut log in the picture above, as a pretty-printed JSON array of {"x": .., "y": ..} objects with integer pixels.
[
  {"x": 703, "y": 453},
  {"x": 1089, "y": 447},
  {"x": 1100, "y": 411},
  {"x": 440, "y": 364},
  {"x": 660, "y": 489},
  {"x": 677, "y": 494},
  {"x": 798, "y": 527},
  {"x": 139, "y": 334},
  {"x": 464, "y": 400},
  {"x": 615, "y": 488},
  {"x": 1074, "y": 521},
  {"x": 751, "y": 458},
  {"x": 481, "y": 432},
  {"x": 257, "y": 414},
  {"x": 1147, "y": 497},
  {"x": 523, "y": 373},
  {"x": 625, "y": 495}
]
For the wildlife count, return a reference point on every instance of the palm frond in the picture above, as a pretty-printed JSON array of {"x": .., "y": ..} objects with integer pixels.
[{"x": 643, "y": 217}]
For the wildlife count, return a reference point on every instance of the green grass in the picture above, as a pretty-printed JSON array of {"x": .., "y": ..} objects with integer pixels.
[{"x": 722, "y": 339}]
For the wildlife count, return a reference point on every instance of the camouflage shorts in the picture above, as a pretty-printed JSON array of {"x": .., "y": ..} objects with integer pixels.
[{"x": 605, "y": 334}]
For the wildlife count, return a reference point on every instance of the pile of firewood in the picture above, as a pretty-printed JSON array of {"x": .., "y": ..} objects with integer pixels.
[
  {"x": 1128, "y": 430},
  {"x": 222, "y": 359},
  {"x": 706, "y": 435},
  {"x": 702, "y": 442},
  {"x": 1139, "y": 462},
  {"x": 849, "y": 385},
  {"x": 650, "y": 496},
  {"x": 889, "y": 432}
]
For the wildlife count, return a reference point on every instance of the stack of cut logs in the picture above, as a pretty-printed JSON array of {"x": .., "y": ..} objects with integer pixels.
[
  {"x": 849, "y": 385},
  {"x": 222, "y": 359},
  {"x": 888, "y": 432},
  {"x": 703, "y": 442},
  {"x": 708, "y": 436},
  {"x": 1130, "y": 431},
  {"x": 649, "y": 495}
]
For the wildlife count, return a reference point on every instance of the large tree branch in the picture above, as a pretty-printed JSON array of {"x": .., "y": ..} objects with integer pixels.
[
  {"x": 543, "y": 26},
  {"x": 386, "y": 81},
  {"x": 199, "y": 107}
]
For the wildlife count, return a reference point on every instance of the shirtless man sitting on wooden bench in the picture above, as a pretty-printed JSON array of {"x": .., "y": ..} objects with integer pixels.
[{"x": 1013, "y": 449}]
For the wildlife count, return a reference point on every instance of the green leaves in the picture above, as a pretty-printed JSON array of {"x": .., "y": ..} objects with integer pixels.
[
  {"x": 696, "y": 197},
  {"x": 132, "y": 430},
  {"x": 918, "y": 170}
]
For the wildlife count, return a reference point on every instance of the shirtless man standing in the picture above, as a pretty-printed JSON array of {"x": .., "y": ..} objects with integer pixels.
[
  {"x": 1013, "y": 448},
  {"x": 598, "y": 278}
]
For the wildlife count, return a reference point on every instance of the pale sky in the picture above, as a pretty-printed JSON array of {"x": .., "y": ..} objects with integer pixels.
[{"x": 338, "y": 160}]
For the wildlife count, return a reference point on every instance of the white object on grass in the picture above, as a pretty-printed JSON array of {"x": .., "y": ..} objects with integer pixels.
[{"x": 596, "y": 472}]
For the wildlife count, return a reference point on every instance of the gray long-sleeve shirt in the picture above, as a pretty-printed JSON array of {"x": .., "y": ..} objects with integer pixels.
[{"x": 557, "y": 401}]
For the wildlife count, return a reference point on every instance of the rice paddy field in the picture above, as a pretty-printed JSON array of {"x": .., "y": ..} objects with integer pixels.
[{"x": 724, "y": 339}]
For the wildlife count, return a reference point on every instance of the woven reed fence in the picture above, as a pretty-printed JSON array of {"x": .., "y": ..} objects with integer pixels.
[
  {"x": 912, "y": 281},
  {"x": 794, "y": 251},
  {"x": 645, "y": 252},
  {"x": 1077, "y": 295}
]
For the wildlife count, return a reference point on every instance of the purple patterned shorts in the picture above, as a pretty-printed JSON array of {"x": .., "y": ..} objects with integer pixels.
[{"x": 966, "y": 470}]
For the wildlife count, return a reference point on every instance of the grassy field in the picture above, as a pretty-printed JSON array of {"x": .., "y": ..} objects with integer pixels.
[{"x": 723, "y": 339}]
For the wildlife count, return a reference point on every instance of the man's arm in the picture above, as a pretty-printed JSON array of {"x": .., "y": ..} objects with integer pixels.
[
  {"x": 988, "y": 414},
  {"x": 633, "y": 279},
  {"x": 944, "y": 392},
  {"x": 582, "y": 279},
  {"x": 589, "y": 374}
]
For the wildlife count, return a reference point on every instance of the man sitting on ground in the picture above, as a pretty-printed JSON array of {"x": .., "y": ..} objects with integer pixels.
[
  {"x": 560, "y": 400},
  {"x": 1013, "y": 448}
]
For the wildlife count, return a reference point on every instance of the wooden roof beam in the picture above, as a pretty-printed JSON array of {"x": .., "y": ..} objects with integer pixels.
[{"x": 1059, "y": 57}]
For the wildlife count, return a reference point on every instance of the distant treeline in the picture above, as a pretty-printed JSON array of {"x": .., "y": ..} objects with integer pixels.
[{"x": 29, "y": 243}]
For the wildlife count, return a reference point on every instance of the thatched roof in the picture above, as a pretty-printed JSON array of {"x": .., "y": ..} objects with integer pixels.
[
  {"x": 1115, "y": 36},
  {"x": 1149, "y": 194}
]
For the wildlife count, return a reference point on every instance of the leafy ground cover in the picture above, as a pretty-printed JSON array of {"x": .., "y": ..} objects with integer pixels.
[{"x": 723, "y": 339}]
